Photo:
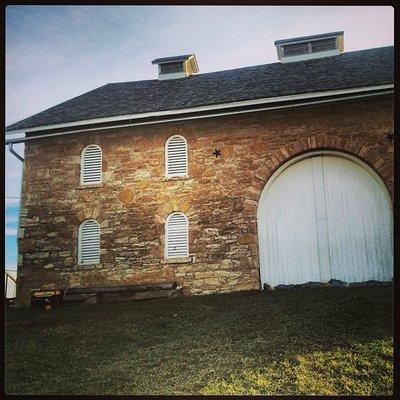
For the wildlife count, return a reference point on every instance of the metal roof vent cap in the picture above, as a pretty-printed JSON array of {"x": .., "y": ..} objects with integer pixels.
[
  {"x": 176, "y": 67},
  {"x": 308, "y": 47}
]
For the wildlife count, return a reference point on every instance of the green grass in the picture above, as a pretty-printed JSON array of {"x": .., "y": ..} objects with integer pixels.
[{"x": 326, "y": 341}]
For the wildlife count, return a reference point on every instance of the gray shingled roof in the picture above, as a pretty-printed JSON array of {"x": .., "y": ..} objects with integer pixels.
[{"x": 347, "y": 70}]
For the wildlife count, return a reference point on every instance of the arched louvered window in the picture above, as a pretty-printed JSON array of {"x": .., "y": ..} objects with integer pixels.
[
  {"x": 176, "y": 235},
  {"x": 91, "y": 162},
  {"x": 89, "y": 242},
  {"x": 176, "y": 156}
]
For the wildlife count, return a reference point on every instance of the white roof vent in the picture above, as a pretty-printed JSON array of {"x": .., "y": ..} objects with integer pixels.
[
  {"x": 308, "y": 47},
  {"x": 176, "y": 67}
]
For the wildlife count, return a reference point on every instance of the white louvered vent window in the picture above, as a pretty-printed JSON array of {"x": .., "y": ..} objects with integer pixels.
[
  {"x": 89, "y": 242},
  {"x": 176, "y": 242},
  {"x": 176, "y": 156},
  {"x": 91, "y": 163}
]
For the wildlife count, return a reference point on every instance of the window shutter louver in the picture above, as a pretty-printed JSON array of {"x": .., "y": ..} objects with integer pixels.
[
  {"x": 323, "y": 45},
  {"x": 176, "y": 156},
  {"x": 177, "y": 235},
  {"x": 91, "y": 164},
  {"x": 314, "y": 46},
  {"x": 295, "y": 49},
  {"x": 89, "y": 242},
  {"x": 171, "y": 68}
]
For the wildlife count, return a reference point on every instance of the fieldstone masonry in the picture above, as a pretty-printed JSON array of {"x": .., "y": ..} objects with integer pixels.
[{"x": 220, "y": 195}]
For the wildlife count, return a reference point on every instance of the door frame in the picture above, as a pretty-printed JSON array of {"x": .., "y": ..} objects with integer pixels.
[{"x": 292, "y": 161}]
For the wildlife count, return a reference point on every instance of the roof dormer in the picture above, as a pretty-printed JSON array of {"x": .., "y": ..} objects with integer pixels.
[
  {"x": 176, "y": 67},
  {"x": 308, "y": 47}
]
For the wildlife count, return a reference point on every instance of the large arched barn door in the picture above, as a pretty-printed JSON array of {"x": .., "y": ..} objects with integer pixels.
[{"x": 327, "y": 216}]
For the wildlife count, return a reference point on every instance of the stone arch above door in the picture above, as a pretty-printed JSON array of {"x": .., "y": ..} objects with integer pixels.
[{"x": 371, "y": 155}]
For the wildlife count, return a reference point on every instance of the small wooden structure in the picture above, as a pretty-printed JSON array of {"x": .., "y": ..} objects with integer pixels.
[{"x": 10, "y": 287}]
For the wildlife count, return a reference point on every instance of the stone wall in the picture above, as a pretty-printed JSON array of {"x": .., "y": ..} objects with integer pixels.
[{"x": 219, "y": 197}]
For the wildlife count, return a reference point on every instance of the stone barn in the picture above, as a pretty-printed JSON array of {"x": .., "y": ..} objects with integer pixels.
[{"x": 276, "y": 174}]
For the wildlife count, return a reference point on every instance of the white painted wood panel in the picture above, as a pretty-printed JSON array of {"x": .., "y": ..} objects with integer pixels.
[
  {"x": 176, "y": 235},
  {"x": 10, "y": 284},
  {"x": 176, "y": 156},
  {"x": 89, "y": 242},
  {"x": 325, "y": 217},
  {"x": 91, "y": 165}
]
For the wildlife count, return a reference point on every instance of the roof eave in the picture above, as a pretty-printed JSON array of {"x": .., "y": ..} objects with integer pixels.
[{"x": 215, "y": 107}]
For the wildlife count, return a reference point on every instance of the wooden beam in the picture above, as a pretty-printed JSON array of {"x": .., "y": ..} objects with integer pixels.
[{"x": 130, "y": 288}]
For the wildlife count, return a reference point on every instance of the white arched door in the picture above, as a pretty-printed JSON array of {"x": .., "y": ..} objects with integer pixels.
[{"x": 327, "y": 216}]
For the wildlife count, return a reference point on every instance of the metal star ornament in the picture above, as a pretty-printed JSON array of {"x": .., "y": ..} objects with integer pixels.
[{"x": 217, "y": 153}]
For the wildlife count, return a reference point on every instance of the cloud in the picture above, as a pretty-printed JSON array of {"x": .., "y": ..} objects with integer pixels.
[
  {"x": 11, "y": 201},
  {"x": 11, "y": 231},
  {"x": 11, "y": 219},
  {"x": 13, "y": 176}
]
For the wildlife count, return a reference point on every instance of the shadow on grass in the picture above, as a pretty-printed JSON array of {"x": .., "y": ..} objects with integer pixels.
[{"x": 311, "y": 341}]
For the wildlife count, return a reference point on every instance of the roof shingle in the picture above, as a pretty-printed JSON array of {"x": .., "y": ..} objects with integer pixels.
[{"x": 347, "y": 70}]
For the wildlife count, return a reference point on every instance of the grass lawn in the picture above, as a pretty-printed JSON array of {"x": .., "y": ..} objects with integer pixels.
[{"x": 326, "y": 341}]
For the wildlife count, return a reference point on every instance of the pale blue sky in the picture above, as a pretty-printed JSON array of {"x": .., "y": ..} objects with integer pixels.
[{"x": 54, "y": 53}]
